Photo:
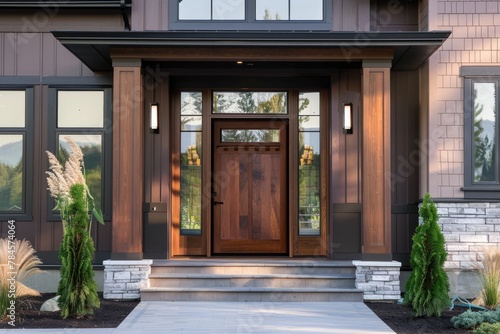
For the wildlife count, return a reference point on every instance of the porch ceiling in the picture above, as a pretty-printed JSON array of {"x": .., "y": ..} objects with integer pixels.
[{"x": 409, "y": 49}]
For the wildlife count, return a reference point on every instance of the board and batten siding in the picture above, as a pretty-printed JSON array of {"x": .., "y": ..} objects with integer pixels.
[{"x": 30, "y": 56}]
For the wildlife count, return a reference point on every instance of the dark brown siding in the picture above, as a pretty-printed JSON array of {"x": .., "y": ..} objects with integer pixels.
[
  {"x": 394, "y": 15},
  {"x": 30, "y": 55},
  {"x": 348, "y": 15},
  {"x": 345, "y": 167},
  {"x": 405, "y": 161}
]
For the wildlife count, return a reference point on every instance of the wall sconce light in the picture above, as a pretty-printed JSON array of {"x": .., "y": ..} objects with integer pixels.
[
  {"x": 348, "y": 118},
  {"x": 154, "y": 118}
]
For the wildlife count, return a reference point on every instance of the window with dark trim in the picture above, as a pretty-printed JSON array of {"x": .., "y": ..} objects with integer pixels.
[
  {"x": 481, "y": 122},
  {"x": 250, "y": 15},
  {"x": 84, "y": 114},
  {"x": 16, "y": 153}
]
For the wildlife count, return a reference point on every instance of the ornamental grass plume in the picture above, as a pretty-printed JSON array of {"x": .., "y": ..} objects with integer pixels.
[
  {"x": 24, "y": 266},
  {"x": 77, "y": 288},
  {"x": 489, "y": 274}
]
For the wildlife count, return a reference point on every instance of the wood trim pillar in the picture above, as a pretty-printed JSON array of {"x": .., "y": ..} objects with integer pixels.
[
  {"x": 376, "y": 160},
  {"x": 128, "y": 152}
]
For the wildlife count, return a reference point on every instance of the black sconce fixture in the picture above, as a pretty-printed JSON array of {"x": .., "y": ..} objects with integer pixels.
[
  {"x": 153, "y": 120},
  {"x": 348, "y": 118}
]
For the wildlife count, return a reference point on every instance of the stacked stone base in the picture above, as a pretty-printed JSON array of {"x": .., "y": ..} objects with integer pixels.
[
  {"x": 124, "y": 279},
  {"x": 379, "y": 280},
  {"x": 468, "y": 229}
]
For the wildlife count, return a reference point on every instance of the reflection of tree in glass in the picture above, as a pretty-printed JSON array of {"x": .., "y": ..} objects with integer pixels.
[
  {"x": 276, "y": 104},
  {"x": 191, "y": 104},
  {"x": 267, "y": 15},
  {"x": 11, "y": 187},
  {"x": 92, "y": 158},
  {"x": 190, "y": 183},
  {"x": 484, "y": 149}
]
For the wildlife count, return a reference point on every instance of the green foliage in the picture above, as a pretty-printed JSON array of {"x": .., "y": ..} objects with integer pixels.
[
  {"x": 427, "y": 287},
  {"x": 11, "y": 187},
  {"x": 470, "y": 319},
  {"x": 77, "y": 287},
  {"x": 487, "y": 328}
]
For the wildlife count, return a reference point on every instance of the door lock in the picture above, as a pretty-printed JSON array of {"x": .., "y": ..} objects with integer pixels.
[{"x": 217, "y": 203}]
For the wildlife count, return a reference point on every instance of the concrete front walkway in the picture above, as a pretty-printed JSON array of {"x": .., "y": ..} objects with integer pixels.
[{"x": 243, "y": 318}]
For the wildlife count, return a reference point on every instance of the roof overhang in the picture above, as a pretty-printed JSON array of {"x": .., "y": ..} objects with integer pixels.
[{"x": 408, "y": 49}]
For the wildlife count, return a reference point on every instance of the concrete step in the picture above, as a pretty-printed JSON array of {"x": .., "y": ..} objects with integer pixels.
[
  {"x": 240, "y": 281},
  {"x": 252, "y": 267},
  {"x": 252, "y": 294},
  {"x": 274, "y": 280}
]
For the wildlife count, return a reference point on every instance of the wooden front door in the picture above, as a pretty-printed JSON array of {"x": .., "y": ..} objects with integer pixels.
[{"x": 250, "y": 187}]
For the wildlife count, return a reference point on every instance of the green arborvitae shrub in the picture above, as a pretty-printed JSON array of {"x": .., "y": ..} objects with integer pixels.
[
  {"x": 77, "y": 287},
  {"x": 427, "y": 287},
  {"x": 487, "y": 328}
]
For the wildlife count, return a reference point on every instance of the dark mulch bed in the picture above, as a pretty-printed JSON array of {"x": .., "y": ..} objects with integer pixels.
[
  {"x": 109, "y": 315},
  {"x": 112, "y": 313},
  {"x": 402, "y": 321}
]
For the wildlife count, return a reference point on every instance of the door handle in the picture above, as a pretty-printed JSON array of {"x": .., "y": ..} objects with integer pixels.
[{"x": 217, "y": 203}]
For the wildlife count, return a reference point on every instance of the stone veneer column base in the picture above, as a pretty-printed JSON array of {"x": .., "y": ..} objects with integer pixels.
[
  {"x": 379, "y": 280},
  {"x": 124, "y": 279}
]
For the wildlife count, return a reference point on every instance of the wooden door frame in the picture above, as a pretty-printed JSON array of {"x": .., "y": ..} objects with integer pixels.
[{"x": 298, "y": 245}]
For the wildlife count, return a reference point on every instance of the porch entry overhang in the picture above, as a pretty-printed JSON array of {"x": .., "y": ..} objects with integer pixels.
[
  {"x": 125, "y": 52},
  {"x": 408, "y": 50}
]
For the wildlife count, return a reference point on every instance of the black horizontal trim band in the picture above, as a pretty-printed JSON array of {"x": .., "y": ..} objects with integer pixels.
[
  {"x": 267, "y": 38},
  {"x": 94, "y": 4}
]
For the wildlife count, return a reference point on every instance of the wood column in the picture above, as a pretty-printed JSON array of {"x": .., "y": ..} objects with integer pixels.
[
  {"x": 128, "y": 152},
  {"x": 376, "y": 168}
]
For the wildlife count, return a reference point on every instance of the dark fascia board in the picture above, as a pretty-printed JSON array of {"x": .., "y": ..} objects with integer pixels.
[
  {"x": 93, "y": 4},
  {"x": 411, "y": 49}
]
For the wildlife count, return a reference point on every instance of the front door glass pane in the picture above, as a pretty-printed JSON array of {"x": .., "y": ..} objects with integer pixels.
[
  {"x": 191, "y": 162},
  {"x": 250, "y": 102},
  {"x": 12, "y": 109},
  {"x": 250, "y": 136},
  {"x": 309, "y": 164},
  {"x": 11, "y": 173},
  {"x": 228, "y": 9},
  {"x": 485, "y": 160}
]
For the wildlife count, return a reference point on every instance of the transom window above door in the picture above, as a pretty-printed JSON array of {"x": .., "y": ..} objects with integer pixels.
[{"x": 250, "y": 15}]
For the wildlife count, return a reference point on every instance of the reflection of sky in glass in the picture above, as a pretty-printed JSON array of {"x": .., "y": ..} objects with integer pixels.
[
  {"x": 235, "y": 10},
  {"x": 11, "y": 149},
  {"x": 194, "y": 10},
  {"x": 306, "y": 9},
  {"x": 486, "y": 97},
  {"x": 313, "y": 106},
  {"x": 12, "y": 109},
  {"x": 83, "y": 109},
  {"x": 228, "y": 9},
  {"x": 81, "y": 140},
  {"x": 191, "y": 139},
  {"x": 191, "y": 123}
]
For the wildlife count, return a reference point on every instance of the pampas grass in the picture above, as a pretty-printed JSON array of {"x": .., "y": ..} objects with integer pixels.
[{"x": 26, "y": 265}]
